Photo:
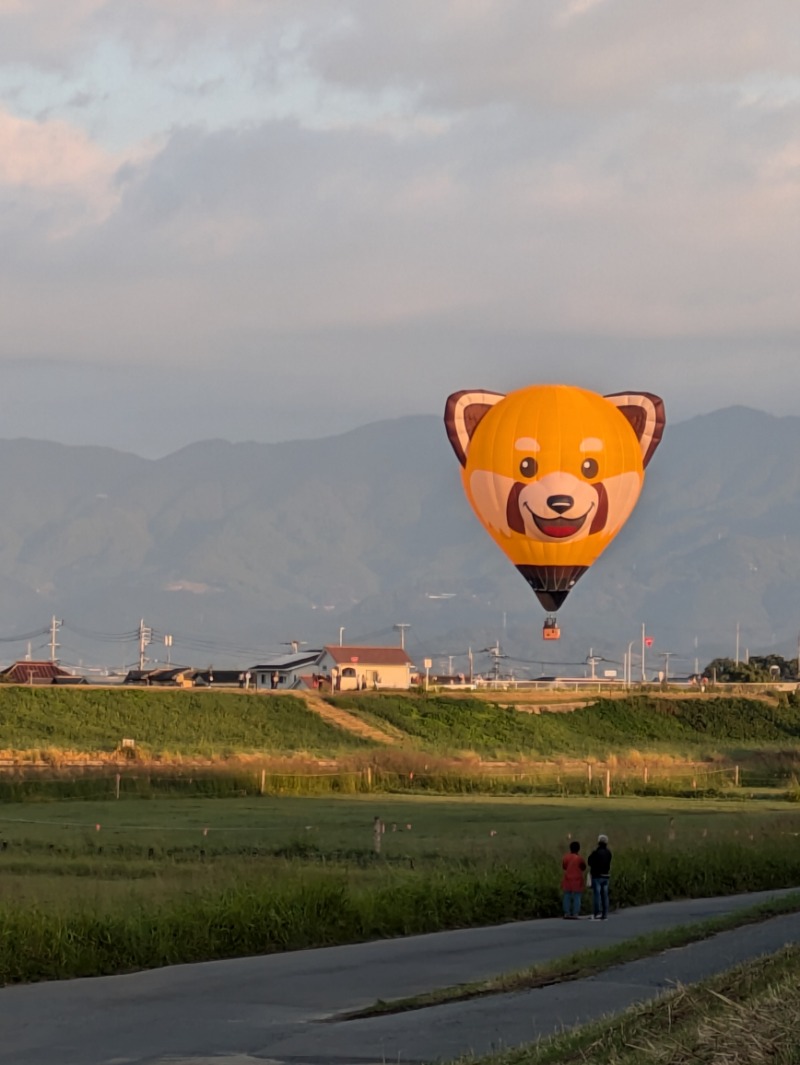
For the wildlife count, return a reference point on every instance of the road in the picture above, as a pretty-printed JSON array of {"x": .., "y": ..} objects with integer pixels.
[{"x": 276, "y": 1008}]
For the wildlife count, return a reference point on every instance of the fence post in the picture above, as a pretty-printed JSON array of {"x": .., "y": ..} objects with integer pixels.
[
  {"x": 608, "y": 783},
  {"x": 736, "y": 776},
  {"x": 369, "y": 778},
  {"x": 589, "y": 772},
  {"x": 377, "y": 832},
  {"x": 116, "y": 789},
  {"x": 645, "y": 774},
  {"x": 263, "y": 781}
]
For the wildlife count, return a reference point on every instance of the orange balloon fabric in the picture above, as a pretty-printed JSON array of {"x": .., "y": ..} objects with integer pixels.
[{"x": 553, "y": 472}]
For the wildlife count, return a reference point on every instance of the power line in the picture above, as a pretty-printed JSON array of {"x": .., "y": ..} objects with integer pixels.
[{"x": 24, "y": 636}]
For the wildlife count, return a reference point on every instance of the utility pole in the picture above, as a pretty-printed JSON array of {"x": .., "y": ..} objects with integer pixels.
[
  {"x": 401, "y": 626},
  {"x": 55, "y": 625},
  {"x": 497, "y": 654},
  {"x": 644, "y": 672},
  {"x": 294, "y": 644},
  {"x": 736, "y": 660},
  {"x": 666, "y": 655},
  {"x": 145, "y": 636},
  {"x": 471, "y": 672},
  {"x": 341, "y": 634},
  {"x": 168, "y": 645}
]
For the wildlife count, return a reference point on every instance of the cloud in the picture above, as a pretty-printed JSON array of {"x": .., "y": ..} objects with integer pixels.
[
  {"x": 330, "y": 188},
  {"x": 558, "y": 53},
  {"x": 53, "y": 169}
]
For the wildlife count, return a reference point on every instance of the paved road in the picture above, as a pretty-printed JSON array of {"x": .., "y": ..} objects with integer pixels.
[{"x": 255, "y": 1011}]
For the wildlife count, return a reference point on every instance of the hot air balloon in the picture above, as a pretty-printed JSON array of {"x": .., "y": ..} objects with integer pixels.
[{"x": 553, "y": 472}]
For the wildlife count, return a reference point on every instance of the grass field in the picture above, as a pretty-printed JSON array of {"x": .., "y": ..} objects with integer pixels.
[
  {"x": 92, "y": 885},
  {"x": 54, "y": 854},
  {"x": 183, "y": 880}
]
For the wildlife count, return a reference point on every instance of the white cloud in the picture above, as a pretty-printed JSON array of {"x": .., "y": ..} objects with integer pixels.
[{"x": 52, "y": 173}]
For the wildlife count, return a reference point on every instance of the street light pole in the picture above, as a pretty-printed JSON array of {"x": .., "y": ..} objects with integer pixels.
[
  {"x": 644, "y": 674},
  {"x": 401, "y": 626}
]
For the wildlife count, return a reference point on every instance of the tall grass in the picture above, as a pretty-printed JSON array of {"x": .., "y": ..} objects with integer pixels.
[{"x": 307, "y": 909}]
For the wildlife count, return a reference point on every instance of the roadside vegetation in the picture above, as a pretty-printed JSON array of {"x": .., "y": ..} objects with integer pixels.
[
  {"x": 749, "y": 1015},
  {"x": 584, "y": 963}
]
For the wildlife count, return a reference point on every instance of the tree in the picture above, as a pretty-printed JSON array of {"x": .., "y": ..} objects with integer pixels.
[{"x": 758, "y": 670}]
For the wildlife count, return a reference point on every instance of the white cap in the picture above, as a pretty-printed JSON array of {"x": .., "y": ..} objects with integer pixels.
[{"x": 602, "y": 838}]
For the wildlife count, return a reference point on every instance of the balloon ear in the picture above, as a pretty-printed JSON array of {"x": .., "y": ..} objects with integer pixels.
[
  {"x": 645, "y": 412},
  {"x": 462, "y": 414}
]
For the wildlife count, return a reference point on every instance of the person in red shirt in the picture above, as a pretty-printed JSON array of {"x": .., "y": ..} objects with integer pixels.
[{"x": 572, "y": 882}]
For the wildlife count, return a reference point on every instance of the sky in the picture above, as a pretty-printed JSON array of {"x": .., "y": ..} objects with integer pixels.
[{"x": 272, "y": 219}]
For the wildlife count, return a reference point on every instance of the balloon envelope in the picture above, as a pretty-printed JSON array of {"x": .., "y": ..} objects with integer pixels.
[{"x": 553, "y": 473}]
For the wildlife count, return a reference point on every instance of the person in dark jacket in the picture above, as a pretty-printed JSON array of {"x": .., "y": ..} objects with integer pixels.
[{"x": 600, "y": 868}]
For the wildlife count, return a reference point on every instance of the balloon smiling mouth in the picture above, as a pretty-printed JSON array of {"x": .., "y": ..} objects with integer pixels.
[{"x": 559, "y": 528}]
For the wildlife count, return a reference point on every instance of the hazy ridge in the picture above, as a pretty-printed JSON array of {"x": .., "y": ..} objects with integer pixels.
[{"x": 255, "y": 544}]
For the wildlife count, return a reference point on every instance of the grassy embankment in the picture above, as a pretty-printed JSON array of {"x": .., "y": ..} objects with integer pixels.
[
  {"x": 651, "y": 744},
  {"x": 51, "y": 722}
]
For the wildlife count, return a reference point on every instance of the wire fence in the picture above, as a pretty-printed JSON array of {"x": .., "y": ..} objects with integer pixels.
[{"x": 23, "y": 783}]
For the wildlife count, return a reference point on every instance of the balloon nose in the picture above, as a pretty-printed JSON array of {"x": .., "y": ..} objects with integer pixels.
[{"x": 560, "y": 504}]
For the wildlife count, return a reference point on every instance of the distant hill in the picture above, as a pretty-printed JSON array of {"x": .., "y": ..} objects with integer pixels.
[{"x": 239, "y": 547}]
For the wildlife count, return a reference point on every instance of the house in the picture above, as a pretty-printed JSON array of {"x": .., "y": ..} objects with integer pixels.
[
  {"x": 283, "y": 672},
  {"x": 356, "y": 668},
  {"x": 165, "y": 677},
  {"x": 336, "y": 668},
  {"x": 29, "y": 672},
  {"x": 221, "y": 678}
]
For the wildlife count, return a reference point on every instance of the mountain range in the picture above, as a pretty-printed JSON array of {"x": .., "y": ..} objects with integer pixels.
[{"x": 238, "y": 549}]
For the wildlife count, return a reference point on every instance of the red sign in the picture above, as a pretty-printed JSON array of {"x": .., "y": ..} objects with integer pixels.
[
  {"x": 354, "y": 658},
  {"x": 648, "y": 641}
]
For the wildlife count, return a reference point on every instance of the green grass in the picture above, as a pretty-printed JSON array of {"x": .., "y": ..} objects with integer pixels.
[
  {"x": 608, "y": 726},
  {"x": 220, "y": 725},
  {"x": 200, "y": 723},
  {"x": 192, "y": 879}
]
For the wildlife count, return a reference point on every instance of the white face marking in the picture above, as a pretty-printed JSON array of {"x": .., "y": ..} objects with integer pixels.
[
  {"x": 490, "y": 492},
  {"x": 591, "y": 443},
  {"x": 527, "y": 443}
]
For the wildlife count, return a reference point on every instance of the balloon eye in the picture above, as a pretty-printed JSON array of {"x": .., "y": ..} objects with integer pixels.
[
  {"x": 589, "y": 468},
  {"x": 529, "y": 467}
]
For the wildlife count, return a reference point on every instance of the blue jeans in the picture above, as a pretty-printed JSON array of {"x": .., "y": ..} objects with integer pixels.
[
  {"x": 600, "y": 895},
  {"x": 572, "y": 903}
]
